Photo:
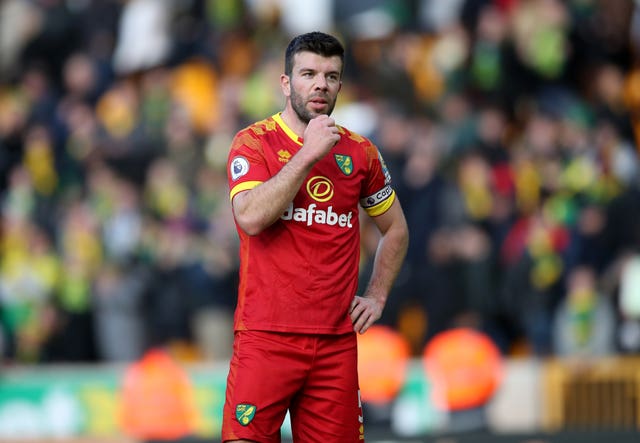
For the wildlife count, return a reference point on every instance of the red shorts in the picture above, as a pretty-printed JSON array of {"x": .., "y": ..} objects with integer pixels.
[{"x": 313, "y": 376}]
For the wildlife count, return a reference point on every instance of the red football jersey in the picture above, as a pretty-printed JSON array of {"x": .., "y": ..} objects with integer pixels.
[{"x": 301, "y": 273}]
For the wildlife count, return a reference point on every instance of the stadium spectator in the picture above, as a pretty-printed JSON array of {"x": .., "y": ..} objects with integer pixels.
[{"x": 520, "y": 117}]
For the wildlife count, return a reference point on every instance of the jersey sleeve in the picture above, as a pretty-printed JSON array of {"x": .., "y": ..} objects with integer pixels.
[
  {"x": 246, "y": 164},
  {"x": 377, "y": 194}
]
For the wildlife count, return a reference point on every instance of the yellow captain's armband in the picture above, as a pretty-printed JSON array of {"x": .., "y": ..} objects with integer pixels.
[
  {"x": 381, "y": 207},
  {"x": 245, "y": 186}
]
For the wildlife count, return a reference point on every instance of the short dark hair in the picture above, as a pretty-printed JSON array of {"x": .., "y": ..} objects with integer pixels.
[{"x": 317, "y": 42}]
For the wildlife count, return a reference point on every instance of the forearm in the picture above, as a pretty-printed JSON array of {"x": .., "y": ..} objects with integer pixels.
[
  {"x": 258, "y": 208},
  {"x": 391, "y": 251},
  {"x": 390, "y": 254}
]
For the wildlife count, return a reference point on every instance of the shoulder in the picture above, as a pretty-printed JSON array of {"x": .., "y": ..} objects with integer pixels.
[
  {"x": 353, "y": 137},
  {"x": 358, "y": 141},
  {"x": 251, "y": 135},
  {"x": 258, "y": 128}
]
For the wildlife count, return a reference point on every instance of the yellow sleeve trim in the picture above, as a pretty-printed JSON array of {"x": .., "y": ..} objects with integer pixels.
[
  {"x": 382, "y": 207},
  {"x": 245, "y": 186}
]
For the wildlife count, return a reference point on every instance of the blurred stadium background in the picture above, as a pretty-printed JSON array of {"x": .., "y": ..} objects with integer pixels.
[{"x": 510, "y": 128}]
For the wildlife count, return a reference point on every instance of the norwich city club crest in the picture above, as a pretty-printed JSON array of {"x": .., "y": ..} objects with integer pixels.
[
  {"x": 344, "y": 163},
  {"x": 245, "y": 413}
]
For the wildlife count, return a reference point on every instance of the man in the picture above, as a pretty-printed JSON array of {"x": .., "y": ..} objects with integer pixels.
[{"x": 296, "y": 180}]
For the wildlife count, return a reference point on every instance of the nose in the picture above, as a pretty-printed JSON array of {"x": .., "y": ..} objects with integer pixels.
[{"x": 321, "y": 82}]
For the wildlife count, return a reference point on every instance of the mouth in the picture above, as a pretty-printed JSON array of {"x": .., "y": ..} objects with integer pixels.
[{"x": 318, "y": 103}]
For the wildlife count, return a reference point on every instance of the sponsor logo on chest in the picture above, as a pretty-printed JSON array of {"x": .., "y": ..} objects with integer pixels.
[{"x": 320, "y": 189}]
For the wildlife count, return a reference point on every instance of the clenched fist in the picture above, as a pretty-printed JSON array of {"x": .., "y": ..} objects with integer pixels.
[{"x": 320, "y": 135}]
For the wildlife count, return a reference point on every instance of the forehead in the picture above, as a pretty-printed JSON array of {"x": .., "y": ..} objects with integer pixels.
[{"x": 311, "y": 60}]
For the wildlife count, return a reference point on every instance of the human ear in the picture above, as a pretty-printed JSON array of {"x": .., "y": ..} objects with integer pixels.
[{"x": 285, "y": 84}]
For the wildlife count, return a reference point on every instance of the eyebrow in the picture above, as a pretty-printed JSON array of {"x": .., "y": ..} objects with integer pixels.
[{"x": 305, "y": 69}]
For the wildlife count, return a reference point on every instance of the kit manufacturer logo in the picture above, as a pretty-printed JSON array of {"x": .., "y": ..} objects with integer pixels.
[{"x": 284, "y": 156}]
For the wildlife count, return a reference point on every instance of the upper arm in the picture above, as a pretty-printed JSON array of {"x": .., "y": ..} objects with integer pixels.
[{"x": 392, "y": 219}]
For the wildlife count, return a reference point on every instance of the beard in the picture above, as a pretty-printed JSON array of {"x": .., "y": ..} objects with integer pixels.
[{"x": 305, "y": 115}]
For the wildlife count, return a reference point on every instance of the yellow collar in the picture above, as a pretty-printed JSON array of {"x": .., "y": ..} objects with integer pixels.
[{"x": 292, "y": 135}]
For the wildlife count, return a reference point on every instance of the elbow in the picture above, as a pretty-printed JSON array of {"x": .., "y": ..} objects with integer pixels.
[
  {"x": 246, "y": 220},
  {"x": 252, "y": 232},
  {"x": 250, "y": 227},
  {"x": 252, "y": 224}
]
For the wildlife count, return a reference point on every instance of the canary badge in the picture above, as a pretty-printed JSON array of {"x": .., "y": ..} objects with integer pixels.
[
  {"x": 344, "y": 163},
  {"x": 245, "y": 413}
]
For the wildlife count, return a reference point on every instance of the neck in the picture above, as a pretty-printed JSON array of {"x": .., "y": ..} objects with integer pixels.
[{"x": 293, "y": 121}]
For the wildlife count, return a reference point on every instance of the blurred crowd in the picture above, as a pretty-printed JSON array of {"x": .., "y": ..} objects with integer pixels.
[{"x": 508, "y": 127}]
